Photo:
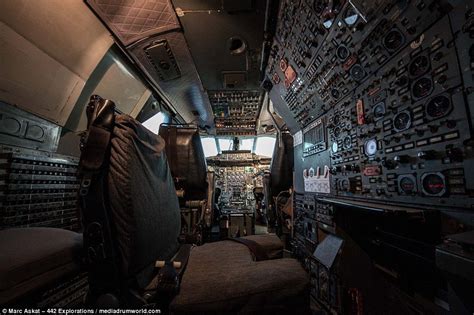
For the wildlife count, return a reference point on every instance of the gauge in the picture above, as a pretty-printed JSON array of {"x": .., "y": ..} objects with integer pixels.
[
  {"x": 283, "y": 64},
  {"x": 407, "y": 184},
  {"x": 393, "y": 40},
  {"x": 402, "y": 121},
  {"x": 422, "y": 88},
  {"x": 347, "y": 142},
  {"x": 276, "y": 78},
  {"x": 334, "y": 147},
  {"x": 370, "y": 147},
  {"x": 336, "y": 120},
  {"x": 433, "y": 184},
  {"x": 418, "y": 66},
  {"x": 337, "y": 132},
  {"x": 335, "y": 93},
  {"x": 351, "y": 16},
  {"x": 319, "y": 6},
  {"x": 438, "y": 106},
  {"x": 357, "y": 72},
  {"x": 379, "y": 111},
  {"x": 344, "y": 185},
  {"x": 342, "y": 52}
]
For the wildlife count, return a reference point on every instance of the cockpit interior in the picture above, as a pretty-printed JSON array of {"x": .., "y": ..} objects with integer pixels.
[{"x": 237, "y": 157}]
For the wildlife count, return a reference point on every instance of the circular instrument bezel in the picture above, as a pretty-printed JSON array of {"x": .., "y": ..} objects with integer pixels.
[
  {"x": 419, "y": 66},
  {"x": 407, "y": 123},
  {"x": 435, "y": 194},
  {"x": 370, "y": 147},
  {"x": 449, "y": 108},
  {"x": 400, "y": 184},
  {"x": 390, "y": 34},
  {"x": 426, "y": 91}
]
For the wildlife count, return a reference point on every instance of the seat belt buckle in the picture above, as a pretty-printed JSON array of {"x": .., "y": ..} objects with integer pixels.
[{"x": 168, "y": 277}]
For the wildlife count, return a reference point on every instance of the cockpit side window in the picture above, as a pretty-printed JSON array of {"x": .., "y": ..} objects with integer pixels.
[
  {"x": 153, "y": 123},
  {"x": 209, "y": 145},
  {"x": 265, "y": 146}
]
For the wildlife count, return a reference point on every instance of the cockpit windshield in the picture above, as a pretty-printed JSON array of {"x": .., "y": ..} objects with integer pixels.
[{"x": 261, "y": 145}]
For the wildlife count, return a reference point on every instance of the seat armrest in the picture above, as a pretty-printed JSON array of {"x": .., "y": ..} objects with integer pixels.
[{"x": 271, "y": 243}]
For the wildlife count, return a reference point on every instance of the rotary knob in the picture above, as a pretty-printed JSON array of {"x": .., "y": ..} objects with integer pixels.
[
  {"x": 402, "y": 159},
  {"x": 427, "y": 155}
]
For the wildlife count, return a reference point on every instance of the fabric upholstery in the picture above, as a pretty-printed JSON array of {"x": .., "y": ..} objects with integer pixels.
[
  {"x": 26, "y": 253},
  {"x": 143, "y": 202},
  {"x": 271, "y": 243},
  {"x": 222, "y": 277}
]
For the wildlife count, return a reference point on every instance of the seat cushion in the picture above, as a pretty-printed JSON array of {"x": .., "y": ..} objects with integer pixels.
[
  {"x": 271, "y": 243},
  {"x": 222, "y": 277},
  {"x": 26, "y": 253}
]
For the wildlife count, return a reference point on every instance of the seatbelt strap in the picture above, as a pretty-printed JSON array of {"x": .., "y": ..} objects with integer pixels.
[
  {"x": 255, "y": 248},
  {"x": 168, "y": 280}
]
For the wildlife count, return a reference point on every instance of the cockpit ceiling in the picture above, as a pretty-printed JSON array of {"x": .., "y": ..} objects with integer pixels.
[
  {"x": 198, "y": 55},
  {"x": 225, "y": 39}
]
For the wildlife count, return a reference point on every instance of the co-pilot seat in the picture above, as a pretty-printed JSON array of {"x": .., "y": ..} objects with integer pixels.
[
  {"x": 188, "y": 168},
  {"x": 132, "y": 220},
  {"x": 279, "y": 180},
  {"x": 194, "y": 184}
]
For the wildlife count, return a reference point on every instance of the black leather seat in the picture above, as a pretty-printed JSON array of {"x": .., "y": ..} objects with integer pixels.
[
  {"x": 188, "y": 168},
  {"x": 280, "y": 177},
  {"x": 131, "y": 216},
  {"x": 186, "y": 159}
]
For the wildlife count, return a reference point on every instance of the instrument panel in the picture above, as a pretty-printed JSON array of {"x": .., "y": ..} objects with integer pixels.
[
  {"x": 381, "y": 93},
  {"x": 238, "y": 173}
]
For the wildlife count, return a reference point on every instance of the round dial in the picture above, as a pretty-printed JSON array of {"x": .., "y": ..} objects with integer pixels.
[
  {"x": 336, "y": 120},
  {"x": 335, "y": 93},
  {"x": 351, "y": 16},
  {"x": 402, "y": 121},
  {"x": 342, "y": 52},
  {"x": 357, "y": 72},
  {"x": 407, "y": 184},
  {"x": 438, "y": 106},
  {"x": 344, "y": 185},
  {"x": 283, "y": 64},
  {"x": 337, "y": 132},
  {"x": 347, "y": 142},
  {"x": 422, "y": 87},
  {"x": 418, "y": 66},
  {"x": 393, "y": 40},
  {"x": 370, "y": 147},
  {"x": 379, "y": 111},
  {"x": 334, "y": 147},
  {"x": 433, "y": 184}
]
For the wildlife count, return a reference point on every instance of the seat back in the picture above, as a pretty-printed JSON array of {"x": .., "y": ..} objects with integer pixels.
[
  {"x": 128, "y": 201},
  {"x": 281, "y": 172},
  {"x": 187, "y": 160}
]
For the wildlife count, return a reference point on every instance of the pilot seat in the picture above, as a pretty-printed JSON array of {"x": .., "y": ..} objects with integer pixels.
[
  {"x": 132, "y": 224},
  {"x": 278, "y": 182}
]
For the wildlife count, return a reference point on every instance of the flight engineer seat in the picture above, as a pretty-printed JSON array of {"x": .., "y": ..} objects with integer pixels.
[{"x": 132, "y": 221}]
